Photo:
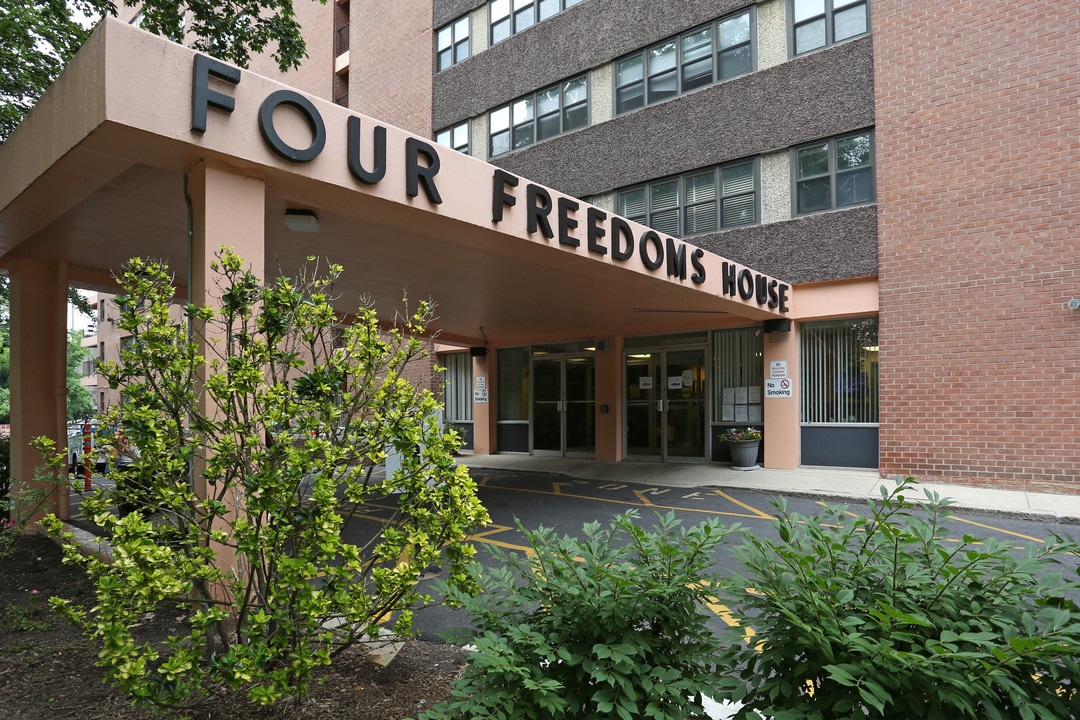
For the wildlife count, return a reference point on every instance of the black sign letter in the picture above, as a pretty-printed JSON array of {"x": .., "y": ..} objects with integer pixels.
[
  {"x": 201, "y": 94},
  {"x": 356, "y": 164},
  {"x": 269, "y": 132},
  {"x": 499, "y": 196},
  {"x": 417, "y": 174}
]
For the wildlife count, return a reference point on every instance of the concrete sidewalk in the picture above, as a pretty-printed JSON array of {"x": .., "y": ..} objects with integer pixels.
[{"x": 840, "y": 483}]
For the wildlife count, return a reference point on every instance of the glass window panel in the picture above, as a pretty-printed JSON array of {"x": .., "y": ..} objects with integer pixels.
[
  {"x": 810, "y": 36},
  {"x": 665, "y": 221},
  {"x": 444, "y": 38},
  {"x": 855, "y": 187},
  {"x": 739, "y": 210},
  {"x": 445, "y": 59},
  {"x": 849, "y": 23},
  {"x": 701, "y": 218},
  {"x": 524, "y": 19},
  {"x": 632, "y": 203},
  {"x": 461, "y": 50},
  {"x": 500, "y": 9},
  {"x": 662, "y": 87},
  {"x": 700, "y": 188},
  {"x": 839, "y": 371},
  {"x": 844, "y": 3},
  {"x": 734, "y": 62},
  {"x": 500, "y": 143},
  {"x": 547, "y": 126},
  {"x": 630, "y": 98},
  {"x": 813, "y": 161},
  {"x": 548, "y": 8},
  {"x": 513, "y": 388},
  {"x": 664, "y": 195},
  {"x": 443, "y": 138},
  {"x": 697, "y": 45},
  {"x": 852, "y": 152},
  {"x": 629, "y": 70},
  {"x": 662, "y": 58},
  {"x": 523, "y": 135},
  {"x": 547, "y": 101},
  {"x": 571, "y": 3},
  {"x": 523, "y": 110},
  {"x": 461, "y": 135},
  {"x": 575, "y": 91},
  {"x": 520, "y": 4},
  {"x": 500, "y": 120},
  {"x": 575, "y": 117},
  {"x": 733, "y": 31},
  {"x": 500, "y": 30},
  {"x": 805, "y": 9},
  {"x": 461, "y": 27},
  {"x": 813, "y": 195},
  {"x": 697, "y": 74},
  {"x": 738, "y": 179}
]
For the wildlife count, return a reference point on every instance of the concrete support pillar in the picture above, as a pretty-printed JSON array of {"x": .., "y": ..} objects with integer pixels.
[
  {"x": 609, "y": 424},
  {"x": 484, "y": 413},
  {"x": 782, "y": 414},
  {"x": 228, "y": 210},
  {"x": 38, "y": 379}
]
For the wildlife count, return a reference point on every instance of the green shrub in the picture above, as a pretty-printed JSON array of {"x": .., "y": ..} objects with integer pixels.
[
  {"x": 882, "y": 617},
  {"x": 610, "y": 625},
  {"x": 238, "y": 500}
]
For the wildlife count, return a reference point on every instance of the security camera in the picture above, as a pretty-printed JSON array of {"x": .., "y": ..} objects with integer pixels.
[{"x": 1073, "y": 304}]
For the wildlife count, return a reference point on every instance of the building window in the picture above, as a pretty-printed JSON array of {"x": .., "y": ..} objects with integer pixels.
[
  {"x": 718, "y": 51},
  {"x": 838, "y": 367},
  {"x": 552, "y": 111},
  {"x": 452, "y": 43},
  {"x": 819, "y": 23},
  {"x": 834, "y": 173},
  {"x": 456, "y": 137},
  {"x": 738, "y": 376},
  {"x": 509, "y": 17},
  {"x": 694, "y": 203},
  {"x": 458, "y": 393}
]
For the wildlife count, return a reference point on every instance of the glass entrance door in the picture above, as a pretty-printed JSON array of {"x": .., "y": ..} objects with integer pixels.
[
  {"x": 564, "y": 419},
  {"x": 665, "y": 405}
]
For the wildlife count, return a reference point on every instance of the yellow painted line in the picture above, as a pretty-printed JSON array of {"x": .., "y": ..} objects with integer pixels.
[
  {"x": 485, "y": 538},
  {"x": 644, "y": 500},
  {"x": 757, "y": 513},
  {"x": 997, "y": 529},
  {"x": 556, "y": 489}
]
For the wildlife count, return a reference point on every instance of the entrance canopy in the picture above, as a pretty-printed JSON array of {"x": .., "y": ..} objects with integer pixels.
[{"x": 99, "y": 172}]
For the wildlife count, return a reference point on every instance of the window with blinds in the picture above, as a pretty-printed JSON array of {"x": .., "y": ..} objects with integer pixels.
[
  {"x": 738, "y": 376},
  {"x": 695, "y": 203},
  {"x": 839, "y": 372},
  {"x": 458, "y": 392}
]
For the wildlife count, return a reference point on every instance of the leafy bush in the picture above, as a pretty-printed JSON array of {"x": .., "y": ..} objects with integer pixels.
[
  {"x": 611, "y": 625},
  {"x": 238, "y": 502},
  {"x": 882, "y": 617},
  {"x": 23, "y": 503}
]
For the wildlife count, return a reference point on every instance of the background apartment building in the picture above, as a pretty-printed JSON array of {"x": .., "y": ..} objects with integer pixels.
[{"x": 919, "y": 154}]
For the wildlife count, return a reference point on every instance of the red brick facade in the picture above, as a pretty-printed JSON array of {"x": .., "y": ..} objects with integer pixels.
[{"x": 978, "y": 154}]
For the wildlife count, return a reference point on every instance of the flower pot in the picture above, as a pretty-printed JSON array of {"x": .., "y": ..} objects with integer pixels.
[{"x": 744, "y": 454}]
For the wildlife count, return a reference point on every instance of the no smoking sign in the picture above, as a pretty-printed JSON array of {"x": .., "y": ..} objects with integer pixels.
[{"x": 778, "y": 388}]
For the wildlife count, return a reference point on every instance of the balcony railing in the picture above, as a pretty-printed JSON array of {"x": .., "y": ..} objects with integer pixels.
[
  {"x": 343, "y": 39},
  {"x": 342, "y": 100}
]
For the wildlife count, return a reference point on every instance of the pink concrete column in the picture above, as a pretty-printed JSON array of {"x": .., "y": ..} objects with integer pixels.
[
  {"x": 484, "y": 414},
  {"x": 609, "y": 425},
  {"x": 782, "y": 414},
  {"x": 38, "y": 368}
]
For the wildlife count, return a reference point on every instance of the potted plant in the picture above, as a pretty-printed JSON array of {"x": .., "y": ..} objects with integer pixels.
[{"x": 743, "y": 443}]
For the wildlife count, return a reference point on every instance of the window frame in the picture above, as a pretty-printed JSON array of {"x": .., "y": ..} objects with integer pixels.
[
  {"x": 451, "y": 130},
  {"x": 844, "y": 359},
  {"x": 457, "y": 390},
  {"x": 531, "y": 125},
  {"x": 455, "y": 42},
  {"x": 683, "y": 204},
  {"x": 829, "y": 15},
  {"x": 519, "y": 7},
  {"x": 832, "y": 174},
  {"x": 643, "y": 55}
]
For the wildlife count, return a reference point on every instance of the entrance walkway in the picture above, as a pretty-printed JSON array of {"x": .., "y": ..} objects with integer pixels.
[{"x": 839, "y": 483}]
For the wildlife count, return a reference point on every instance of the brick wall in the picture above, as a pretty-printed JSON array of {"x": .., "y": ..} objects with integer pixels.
[
  {"x": 390, "y": 62},
  {"x": 978, "y": 153}
]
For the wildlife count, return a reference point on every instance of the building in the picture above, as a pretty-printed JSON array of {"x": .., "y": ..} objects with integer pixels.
[{"x": 863, "y": 215}]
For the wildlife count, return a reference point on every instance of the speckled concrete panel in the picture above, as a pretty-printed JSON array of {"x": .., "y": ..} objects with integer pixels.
[
  {"x": 443, "y": 11},
  {"x": 835, "y": 245},
  {"x": 815, "y": 96},
  {"x": 772, "y": 46},
  {"x": 589, "y": 34},
  {"x": 776, "y": 186}
]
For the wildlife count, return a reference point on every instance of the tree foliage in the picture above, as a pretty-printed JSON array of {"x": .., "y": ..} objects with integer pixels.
[
  {"x": 37, "y": 39},
  {"x": 609, "y": 626},
  {"x": 882, "y": 617},
  {"x": 301, "y": 411}
]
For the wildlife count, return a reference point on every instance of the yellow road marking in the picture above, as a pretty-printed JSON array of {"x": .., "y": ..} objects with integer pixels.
[
  {"x": 997, "y": 529},
  {"x": 644, "y": 500},
  {"x": 757, "y": 513}
]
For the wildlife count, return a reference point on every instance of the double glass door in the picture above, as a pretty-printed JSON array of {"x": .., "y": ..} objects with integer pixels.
[
  {"x": 564, "y": 415},
  {"x": 665, "y": 405}
]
